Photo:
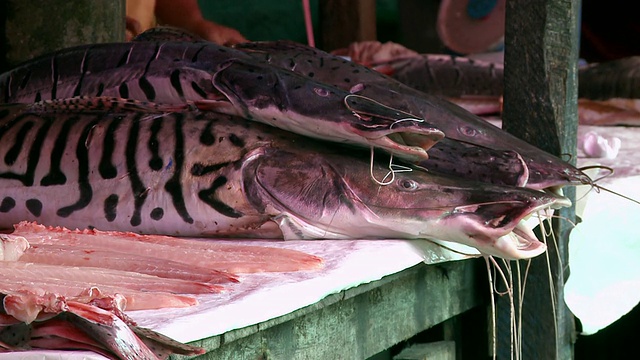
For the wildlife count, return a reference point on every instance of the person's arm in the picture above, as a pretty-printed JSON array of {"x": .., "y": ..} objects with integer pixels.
[{"x": 186, "y": 14}]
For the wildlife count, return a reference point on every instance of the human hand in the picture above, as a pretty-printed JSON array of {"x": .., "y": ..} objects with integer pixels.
[
  {"x": 133, "y": 28},
  {"x": 218, "y": 34}
]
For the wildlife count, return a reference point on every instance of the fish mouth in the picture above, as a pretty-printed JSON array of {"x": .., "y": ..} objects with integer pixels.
[
  {"x": 399, "y": 132},
  {"x": 553, "y": 178},
  {"x": 410, "y": 145},
  {"x": 500, "y": 228}
]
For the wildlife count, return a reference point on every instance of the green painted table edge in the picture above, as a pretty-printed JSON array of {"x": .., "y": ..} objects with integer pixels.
[{"x": 362, "y": 321}]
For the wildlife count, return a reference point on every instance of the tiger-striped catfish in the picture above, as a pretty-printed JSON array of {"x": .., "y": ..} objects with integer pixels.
[
  {"x": 207, "y": 174},
  {"x": 543, "y": 170},
  {"x": 220, "y": 79}
]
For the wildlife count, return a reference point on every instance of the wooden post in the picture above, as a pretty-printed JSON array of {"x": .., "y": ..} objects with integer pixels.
[
  {"x": 34, "y": 28},
  {"x": 540, "y": 106},
  {"x": 345, "y": 21}
]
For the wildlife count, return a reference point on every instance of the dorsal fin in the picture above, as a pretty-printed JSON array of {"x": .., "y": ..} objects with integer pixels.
[{"x": 167, "y": 33}]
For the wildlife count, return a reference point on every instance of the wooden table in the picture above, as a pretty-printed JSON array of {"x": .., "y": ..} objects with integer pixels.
[{"x": 361, "y": 322}]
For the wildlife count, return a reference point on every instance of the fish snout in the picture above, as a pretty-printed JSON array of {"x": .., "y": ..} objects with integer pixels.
[{"x": 499, "y": 228}]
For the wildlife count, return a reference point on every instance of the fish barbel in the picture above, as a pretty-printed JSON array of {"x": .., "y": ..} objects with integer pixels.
[
  {"x": 221, "y": 79},
  {"x": 208, "y": 174},
  {"x": 543, "y": 169}
]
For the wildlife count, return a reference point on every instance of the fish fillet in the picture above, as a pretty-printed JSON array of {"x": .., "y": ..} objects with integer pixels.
[
  {"x": 91, "y": 257},
  {"x": 228, "y": 257}
]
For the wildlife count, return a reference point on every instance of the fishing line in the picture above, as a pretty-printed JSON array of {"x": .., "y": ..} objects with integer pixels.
[
  {"x": 494, "y": 337},
  {"x": 509, "y": 292},
  {"x": 406, "y": 119},
  {"x": 512, "y": 310},
  {"x": 552, "y": 294},
  {"x": 393, "y": 169},
  {"x": 521, "y": 297},
  {"x": 409, "y": 117},
  {"x": 597, "y": 187}
]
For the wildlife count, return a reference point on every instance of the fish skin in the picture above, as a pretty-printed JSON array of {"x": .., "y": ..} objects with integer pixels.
[
  {"x": 102, "y": 69},
  {"x": 448, "y": 75},
  {"x": 108, "y": 330},
  {"x": 545, "y": 170},
  {"x": 179, "y": 73},
  {"x": 239, "y": 177},
  {"x": 271, "y": 96},
  {"x": 611, "y": 79}
]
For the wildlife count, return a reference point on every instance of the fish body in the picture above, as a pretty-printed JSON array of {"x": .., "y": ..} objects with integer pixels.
[
  {"x": 221, "y": 79},
  {"x": 611, "y": 79},
  {"x": 149, "y": 173},
  {"x": 544, "y": 169},
  {"x": 207, "y": 174}
]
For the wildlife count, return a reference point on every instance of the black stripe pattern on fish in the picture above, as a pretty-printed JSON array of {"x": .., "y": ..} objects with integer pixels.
[{"x": 104, "y": 165}]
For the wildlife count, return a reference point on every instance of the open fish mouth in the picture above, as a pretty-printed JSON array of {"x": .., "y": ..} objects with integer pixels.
[
  {"x": 413, "y": 144},
  {"x": 501, "y": 228}
]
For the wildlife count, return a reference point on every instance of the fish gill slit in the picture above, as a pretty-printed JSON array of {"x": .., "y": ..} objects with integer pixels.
[
  {"x": 174, "y": 185},
  {"x": 84, "y": 186}
]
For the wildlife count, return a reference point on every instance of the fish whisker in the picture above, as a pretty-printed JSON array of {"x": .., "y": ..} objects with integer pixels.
[{"x": 598, "y": 188}]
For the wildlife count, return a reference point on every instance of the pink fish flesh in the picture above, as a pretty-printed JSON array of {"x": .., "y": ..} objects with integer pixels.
[
  {"x": 136, "y": 300},
  {"x": 229, "y": 257},
  {"x": 90, "y": 257},
  {"x": 79, "y": 325},
  {"x": 100, "y": 277}
]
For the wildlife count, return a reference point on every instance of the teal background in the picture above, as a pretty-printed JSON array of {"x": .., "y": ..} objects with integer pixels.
[{"x": 261, "y": 20}]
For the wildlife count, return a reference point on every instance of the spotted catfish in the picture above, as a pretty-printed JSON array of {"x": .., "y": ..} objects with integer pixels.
[
  {"x": 220, "y": 79},
  {"x": 543, "y": 170},
  {"x": 207, "y": 174}
]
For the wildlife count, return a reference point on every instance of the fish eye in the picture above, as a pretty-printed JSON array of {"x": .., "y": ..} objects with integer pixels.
[
  {"x": 468, "y": 131},
  {"x": 321, "y": 92},
  {"x": 407, "y": 184}
]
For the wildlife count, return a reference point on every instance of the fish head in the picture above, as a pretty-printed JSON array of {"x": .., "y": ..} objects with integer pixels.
[
  {"x": 330, "y": 195},
  {"x": 485, "y": 216},
  {"x": 545, "y": 171},
  {"x": 296, "y": 103}
]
